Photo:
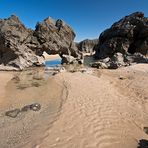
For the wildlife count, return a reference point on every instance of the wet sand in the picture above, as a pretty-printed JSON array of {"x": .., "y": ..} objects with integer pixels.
[
  {"x": 106, "y": 109},
  {"x": 23, "y": 89}
]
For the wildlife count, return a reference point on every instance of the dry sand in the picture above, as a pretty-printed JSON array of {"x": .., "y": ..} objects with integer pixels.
[
  {"x": 104, "y": 110},
  {"x": 50, "y": 57}
]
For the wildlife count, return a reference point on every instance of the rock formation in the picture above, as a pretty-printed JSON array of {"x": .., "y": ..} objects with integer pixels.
[
  {"x": 87, "y": 46},
  {"x": 21, "y": 47},
  {"x": 127, "y": 37}
]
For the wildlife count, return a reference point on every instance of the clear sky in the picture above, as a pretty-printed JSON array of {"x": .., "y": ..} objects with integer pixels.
[{"x": 88, "y": 18}]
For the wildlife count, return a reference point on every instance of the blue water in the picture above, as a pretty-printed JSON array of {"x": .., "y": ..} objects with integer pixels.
[{"x": 51, "y": 63}]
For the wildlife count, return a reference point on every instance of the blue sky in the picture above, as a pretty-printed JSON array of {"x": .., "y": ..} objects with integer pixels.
[{"x": 88, "y": 18}]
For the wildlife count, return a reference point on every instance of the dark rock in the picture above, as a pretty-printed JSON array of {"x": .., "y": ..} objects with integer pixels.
[
  {"x": 59, "y": 24},
  {"x": 13, "y": 113},
  {"x": 143, "y": 143},
  {"x": 14, "y": 41},
  {"x": 35, "y": 107},
  {"x": 125, "y": 42},
  {"x": 87, "y": 46},
  {"x": 54, "y": 40},
  {"x": 99, "y": 65}
]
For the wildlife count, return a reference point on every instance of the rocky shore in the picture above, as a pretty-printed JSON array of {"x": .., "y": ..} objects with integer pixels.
[
  {"x": 74, "y": 105},
  {"x": 21, "y": 48},
  {"x": 124, "y": 43}
]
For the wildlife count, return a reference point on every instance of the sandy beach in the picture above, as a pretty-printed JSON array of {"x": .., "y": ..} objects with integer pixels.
[
  {"x": 50, "y": 57},
  {"x": 106, "y": 109}
]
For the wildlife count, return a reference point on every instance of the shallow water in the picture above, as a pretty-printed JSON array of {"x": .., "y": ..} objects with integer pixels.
[
  {"x": 52, "y": 63},
  {"x": 29, "y": 127}
]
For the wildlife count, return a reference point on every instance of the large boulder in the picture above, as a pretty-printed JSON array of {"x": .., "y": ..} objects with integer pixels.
[
  {"x": 128, "y": 36},
  {"x": 21, "y": 47},
  {"x": 14, "y": 52},
  {"x": 54, "y": 38},
  {"x": 87, "y": 46}
]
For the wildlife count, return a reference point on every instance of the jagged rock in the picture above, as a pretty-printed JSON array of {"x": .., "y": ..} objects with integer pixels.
[
  {"x": 130, "y": 34},
  {"x": 14, "y": 52},
  {"x": 21, "y": 47},
  {"x": 51, "y": 39},
  {"x": 126, "y": 42},
  {"x": 87, "y": 46}
]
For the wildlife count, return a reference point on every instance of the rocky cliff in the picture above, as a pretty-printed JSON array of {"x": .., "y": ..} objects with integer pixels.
[
  {"x": 21, "y": 47},
  {"x": 87, "y": 46},
  {"x": 125, "y": 41}
]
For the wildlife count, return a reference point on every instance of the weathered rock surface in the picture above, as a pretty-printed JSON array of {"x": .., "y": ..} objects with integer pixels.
[
  {"x": 128, "y": 36},
  {"x": 21, "y": 47},
  {"x": 14, "y": 40},
  {"x": 87, "y": 46}
]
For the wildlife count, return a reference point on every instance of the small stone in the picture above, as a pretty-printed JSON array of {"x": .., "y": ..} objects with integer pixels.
[
  {"x": 35, "y": 107},
  {"x": 13, "y": 113}
]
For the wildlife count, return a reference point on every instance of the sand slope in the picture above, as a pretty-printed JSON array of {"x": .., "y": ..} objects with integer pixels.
[{"x": 104, "y": 110}]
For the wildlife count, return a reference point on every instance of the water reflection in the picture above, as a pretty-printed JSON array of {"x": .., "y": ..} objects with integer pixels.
[{"x": 52, "y": 63}]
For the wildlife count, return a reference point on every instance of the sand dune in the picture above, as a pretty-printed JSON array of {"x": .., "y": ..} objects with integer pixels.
[
  {"x": 105, "y": 110},
  {"x": 102, "y": 112}
]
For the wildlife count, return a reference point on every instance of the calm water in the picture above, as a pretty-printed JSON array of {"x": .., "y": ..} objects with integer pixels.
[{"x": 51, "y": 63}]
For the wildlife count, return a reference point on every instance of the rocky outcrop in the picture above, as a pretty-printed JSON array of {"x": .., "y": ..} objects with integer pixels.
[
  {"x": 21, "y": 47},
  {"x": 14, "y": 40},
  {"x": 128, "y": 36},
  {"x": 87, "y": 46}
]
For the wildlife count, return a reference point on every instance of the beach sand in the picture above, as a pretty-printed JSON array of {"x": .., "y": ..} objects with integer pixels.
[
  {"x": 51, "y": 57},
  {"x": 106, "y": 109}
]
